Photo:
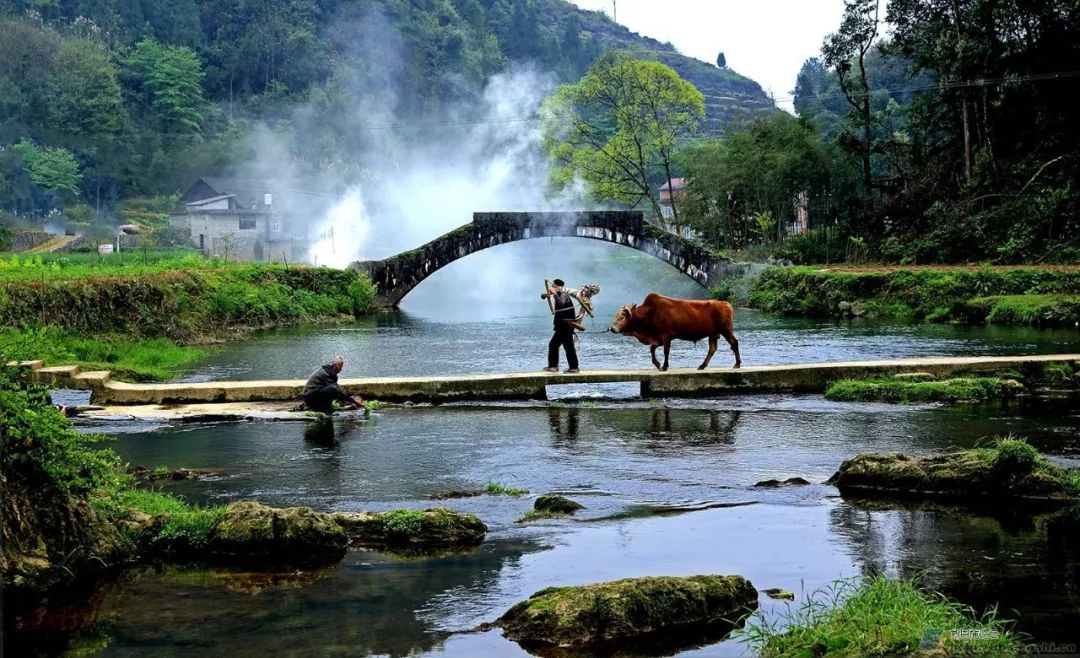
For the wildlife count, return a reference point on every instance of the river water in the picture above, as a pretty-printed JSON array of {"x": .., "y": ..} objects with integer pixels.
[{"x": 667, "y": 484}]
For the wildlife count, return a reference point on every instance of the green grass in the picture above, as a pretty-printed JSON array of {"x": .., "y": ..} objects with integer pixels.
[
  {"x": 143, "y": 321},
  {"x": 1035, "y": 310},
  {"x": 181, "y": 522},
  {"x": 889, "y": 389},
  {"x": 127, "y": 358},
  {"x": 1014, "y": 456},
  {"x": 501, "y": 489},
  {"x": 403, "y": 522},
  {"x": 1072, "y": 480},
  {"x": 75, "y": 265},
  {"x": 533, "y": 515},
  {"x": 878, "y": 616}
]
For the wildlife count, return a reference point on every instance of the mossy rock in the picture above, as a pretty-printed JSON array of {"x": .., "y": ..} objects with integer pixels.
[
  {"x": 430, "y": 528},
  {"x": 555, "y": 504},
  {"x": 253, "y": 530},
  {"x": 779, "y": 594},
  {"x": 623, "y": 611},
  {"x": 980, "y": 473}
]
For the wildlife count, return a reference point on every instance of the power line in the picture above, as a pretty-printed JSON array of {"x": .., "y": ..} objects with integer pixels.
[{"x": 506, "y": 120}]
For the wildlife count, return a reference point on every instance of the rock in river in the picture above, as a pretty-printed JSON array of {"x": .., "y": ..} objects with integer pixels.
[
  {"x": 621, "y": 611},
  {"x": 556, "y": 504},
  {"x": 1015, "y": 474},
  {"x": 790, "y": 482},
  {"x": 431, "y": 528},
  {"x": 253, "y": 530}
]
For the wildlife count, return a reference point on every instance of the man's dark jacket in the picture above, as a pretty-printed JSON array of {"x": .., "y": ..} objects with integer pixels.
[
  {"x": 324, "y": 376},
  {"x": 564, "y": 310}
]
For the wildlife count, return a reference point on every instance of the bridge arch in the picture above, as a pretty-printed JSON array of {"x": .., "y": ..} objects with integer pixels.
[{"x": 397, "y": 275}]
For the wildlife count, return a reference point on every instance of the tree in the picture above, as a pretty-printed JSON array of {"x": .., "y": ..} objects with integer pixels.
[
  {"x": 52, "y": 169},
  {"x": 168, "y": 81},
  {"x": 846, "y": 49},
  {"x": 721, "y": 61},
  {"x": 618, "y": 128},
  {"x": 750, "y": 186},
  {"x": 84, "y": 93},
  {"x": 26, "y": 58}
]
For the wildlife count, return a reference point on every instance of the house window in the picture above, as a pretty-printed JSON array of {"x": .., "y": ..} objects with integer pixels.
[
  {"x": 202, "y": 241},
  {"x": 275, "y": 226},
  {"x": 247, "y": 222}
]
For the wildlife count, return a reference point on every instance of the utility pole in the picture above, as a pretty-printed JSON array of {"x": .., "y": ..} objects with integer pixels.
[{"x": 614, "y": 11}]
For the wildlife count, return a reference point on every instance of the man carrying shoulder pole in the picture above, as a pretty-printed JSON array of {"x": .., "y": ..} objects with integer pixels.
[{"x": 564, "y": 327}]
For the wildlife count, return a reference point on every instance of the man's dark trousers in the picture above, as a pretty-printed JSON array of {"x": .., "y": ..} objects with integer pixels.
[
  {"x": 563, "y": 336},
  {"x": 323, "y": 398}
]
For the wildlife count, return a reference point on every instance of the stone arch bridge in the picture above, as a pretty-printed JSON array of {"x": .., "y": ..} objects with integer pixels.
[{"x": 397, "y": 275}]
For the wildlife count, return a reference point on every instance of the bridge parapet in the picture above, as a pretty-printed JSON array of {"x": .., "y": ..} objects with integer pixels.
[{"x": 397, "y": 275}]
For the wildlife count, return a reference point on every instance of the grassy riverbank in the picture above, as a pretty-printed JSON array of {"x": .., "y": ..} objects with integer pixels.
[
  {"x": 145, "y": 318},
  {"x": 880, "y": 616},
  {"x": 1039, "y": 296}
]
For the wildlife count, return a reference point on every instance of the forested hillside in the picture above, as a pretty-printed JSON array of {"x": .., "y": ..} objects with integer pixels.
[{"x": 106, "y": 101}]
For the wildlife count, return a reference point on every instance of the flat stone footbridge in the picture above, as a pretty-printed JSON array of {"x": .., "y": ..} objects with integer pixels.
[
  {"x": 397, "y": 275},
  {"x": 806, "y": 377}
]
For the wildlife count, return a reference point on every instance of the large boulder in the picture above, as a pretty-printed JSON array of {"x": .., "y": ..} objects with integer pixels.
[
  {"x": 1020, "y": 475},
  {"x": 252, "y": 530},
  {"x": 616, "y": 612},
  {"x": 437, "y": 527}
]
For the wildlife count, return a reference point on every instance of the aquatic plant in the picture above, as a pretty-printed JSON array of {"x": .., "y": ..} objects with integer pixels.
[
  {"x": 878, "y": 616},
  {"x": 498, "y": 488},
  {"x": 892, "y": 389}
]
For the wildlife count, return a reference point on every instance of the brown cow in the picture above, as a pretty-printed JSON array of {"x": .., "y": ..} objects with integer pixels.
[{"x": 659, "y": 320}]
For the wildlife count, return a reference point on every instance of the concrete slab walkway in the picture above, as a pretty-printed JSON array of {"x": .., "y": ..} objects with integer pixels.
[{"x": 808, "y": 377}]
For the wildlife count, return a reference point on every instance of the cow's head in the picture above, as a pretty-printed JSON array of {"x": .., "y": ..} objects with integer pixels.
[{"x": 622, "y": 319}]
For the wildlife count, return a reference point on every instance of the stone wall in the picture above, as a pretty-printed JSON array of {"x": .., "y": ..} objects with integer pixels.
[{"x": 23, "y": 240}]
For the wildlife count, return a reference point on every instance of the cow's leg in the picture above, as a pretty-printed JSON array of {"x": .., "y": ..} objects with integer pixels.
[
  {"x": 734, "y": 343},
  {"x": 652, "y": 351},
  {"x": 667, "y": 351},
  {"x": 712, "y": 350}
]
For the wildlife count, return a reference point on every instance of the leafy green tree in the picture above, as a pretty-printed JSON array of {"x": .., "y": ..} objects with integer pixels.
[
  {"x": 618, "y": 128},
  {"x": 84, "y": 93},
  {"x": 721, "y": 61},
  {"x": 51, "y": 168},
  {"x": 168, "y": 81}
]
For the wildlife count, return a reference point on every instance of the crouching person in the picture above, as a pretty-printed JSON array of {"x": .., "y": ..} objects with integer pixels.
[{"x": 322, "y": 390}]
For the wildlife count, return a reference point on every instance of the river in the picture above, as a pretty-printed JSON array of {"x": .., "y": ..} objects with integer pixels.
[{"x": 667, "y": 484}]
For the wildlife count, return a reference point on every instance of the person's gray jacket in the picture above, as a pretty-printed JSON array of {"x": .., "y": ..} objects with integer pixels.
[{"x": 322, "y": 377}]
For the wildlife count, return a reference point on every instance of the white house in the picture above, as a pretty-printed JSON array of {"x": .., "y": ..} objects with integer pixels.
[{"x": 251, "y": 219}]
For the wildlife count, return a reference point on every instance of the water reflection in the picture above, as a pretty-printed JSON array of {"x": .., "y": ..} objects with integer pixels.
[
  {"x": 1026, "y": 566},
  {"x": 564, "y": 427},
  {"x": 618, "y": 460}
]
